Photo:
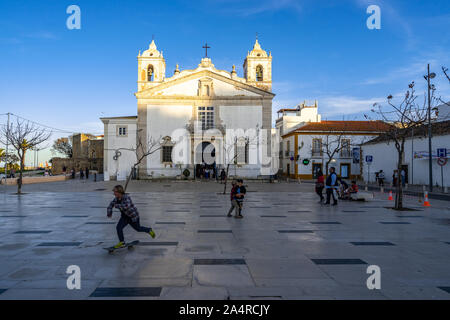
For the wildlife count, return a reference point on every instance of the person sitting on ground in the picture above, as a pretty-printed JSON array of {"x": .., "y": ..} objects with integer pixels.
[
  {"x": 343, "y": 190},
  {"x": 354, "y": 187}
]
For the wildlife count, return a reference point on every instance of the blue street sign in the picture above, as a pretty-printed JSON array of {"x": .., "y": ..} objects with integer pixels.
[
  {"x": 442, "y": 153},
  {"x": 369, "y": 159}
]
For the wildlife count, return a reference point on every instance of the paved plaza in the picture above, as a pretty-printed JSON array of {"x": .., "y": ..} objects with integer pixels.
[{"x": 288, "y": 246}]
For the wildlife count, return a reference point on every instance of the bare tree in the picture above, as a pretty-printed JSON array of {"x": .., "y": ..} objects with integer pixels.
[
  {"x": 404, "y": 117},
  {"x": 335, "y": 142},
  {"x": 23, "y": 136},
  {"x": 63, "y": 145},
  {"x": 232, "y": 152},
  {"x": 445, "y": 70},
  {"x": 142, "y": 151}
]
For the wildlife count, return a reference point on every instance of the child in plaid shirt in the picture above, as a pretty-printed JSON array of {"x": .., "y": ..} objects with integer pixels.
[{"x": 129, "y": 215}]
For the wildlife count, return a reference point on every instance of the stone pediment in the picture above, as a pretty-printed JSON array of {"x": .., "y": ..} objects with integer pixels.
[{"x": 203, "y": 82}]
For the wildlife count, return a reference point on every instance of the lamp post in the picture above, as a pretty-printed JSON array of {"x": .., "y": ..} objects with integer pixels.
[{"x": 430, "y": 158}]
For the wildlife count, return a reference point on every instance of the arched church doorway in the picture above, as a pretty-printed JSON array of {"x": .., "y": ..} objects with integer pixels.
[{"x": 205, "y": 158}]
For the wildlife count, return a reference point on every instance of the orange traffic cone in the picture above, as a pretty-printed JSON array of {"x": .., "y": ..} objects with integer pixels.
[
  {"x": 426, "y": 203},
  {"x": 390, "y": 196}
]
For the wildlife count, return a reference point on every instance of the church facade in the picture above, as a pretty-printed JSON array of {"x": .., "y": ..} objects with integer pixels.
[{"x": 200, "y": 117}]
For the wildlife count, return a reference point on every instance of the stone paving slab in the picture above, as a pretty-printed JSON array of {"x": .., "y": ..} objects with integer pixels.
[{"x": 270, "y": 254}]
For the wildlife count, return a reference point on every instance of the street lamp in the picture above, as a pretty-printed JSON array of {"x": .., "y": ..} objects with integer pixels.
[{"x": 430, "y": 159}]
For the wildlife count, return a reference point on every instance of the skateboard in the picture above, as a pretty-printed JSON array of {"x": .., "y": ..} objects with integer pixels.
[{"x": 128, "y": 245}]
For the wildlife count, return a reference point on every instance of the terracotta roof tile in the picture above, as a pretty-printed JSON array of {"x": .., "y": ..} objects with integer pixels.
[{"x": 351, "y": 126}]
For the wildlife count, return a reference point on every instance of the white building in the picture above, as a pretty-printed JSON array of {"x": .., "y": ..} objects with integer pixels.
[
  {"x": 415, "y": 161},
  {"x": 200, "y": 115},
  {"x": 306, "y": 140}
]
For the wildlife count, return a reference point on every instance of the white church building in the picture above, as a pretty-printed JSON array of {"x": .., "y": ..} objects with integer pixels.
[{"x": 201, "y": 116}]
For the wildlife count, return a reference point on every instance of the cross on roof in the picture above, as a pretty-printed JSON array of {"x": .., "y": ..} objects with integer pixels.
[{"x": 206, "y": 49}]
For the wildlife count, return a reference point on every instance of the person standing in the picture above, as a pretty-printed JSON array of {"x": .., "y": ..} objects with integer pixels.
[
  {"x": 87, "y": 173},
  {"x": 395, "y": 177},
  {"x": 330, "y": 186},
  {"x": 73, "y": 173},
  {"x": 81, "y": 173},
  {"x": 381, "y": 178},
  {"x": 320, "y": 183},
  {"x": 403, "y": 177}
]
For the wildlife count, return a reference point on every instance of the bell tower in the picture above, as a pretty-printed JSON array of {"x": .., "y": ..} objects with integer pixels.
[
  {"x": 151, "y": 67},
  {"x": 258, "y": 68}
]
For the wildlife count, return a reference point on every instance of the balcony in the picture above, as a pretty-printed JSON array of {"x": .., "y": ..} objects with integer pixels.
[
  {"x": 346, "y": 154},
  {"x": 198, "y": 128}
]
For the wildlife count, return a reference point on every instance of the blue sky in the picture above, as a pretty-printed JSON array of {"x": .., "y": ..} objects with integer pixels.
[{"x": 321, "y": 50}]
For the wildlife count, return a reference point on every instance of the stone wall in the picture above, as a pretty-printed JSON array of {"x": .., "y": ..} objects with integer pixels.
[{"x": 77, "y": 164}]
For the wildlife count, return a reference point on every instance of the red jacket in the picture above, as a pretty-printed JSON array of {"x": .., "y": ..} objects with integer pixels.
[{"x": 233, "y": 192}]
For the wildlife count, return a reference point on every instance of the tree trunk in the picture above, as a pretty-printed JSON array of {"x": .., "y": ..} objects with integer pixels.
[
  {"x": 226, "y": 179},
  {"x": 399, "y": 187},
  {"x": 22, "y": 167},
  {"x": 129, "y": 178},
  {"x": 326, "y": 168}
]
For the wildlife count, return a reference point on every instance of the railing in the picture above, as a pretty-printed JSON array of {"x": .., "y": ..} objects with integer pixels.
[
  {"x": 190, "y": 127},
  {"x": 316, "y": 153},
  {"x": 346, "y": 154}
]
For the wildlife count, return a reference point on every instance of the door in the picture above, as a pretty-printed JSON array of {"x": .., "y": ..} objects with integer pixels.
[{"x": 315, "y": 169}]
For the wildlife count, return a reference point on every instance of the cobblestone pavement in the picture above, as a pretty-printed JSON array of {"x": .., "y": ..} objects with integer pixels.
[{"x": 288, "y": 246}]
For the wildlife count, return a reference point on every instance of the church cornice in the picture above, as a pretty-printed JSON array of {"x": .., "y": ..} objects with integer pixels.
[{"x": 147, "y": 93}]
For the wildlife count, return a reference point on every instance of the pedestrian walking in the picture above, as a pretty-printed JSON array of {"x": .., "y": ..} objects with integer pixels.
[
  {"x": 320, "y": 184},
  {"x": 381, "y": 178},
  {"x": 72, "y": 172},
  {"x": 240, "y": 195},
  {"x": 81, "y": 173},
  {"x": 87, "y": 173},
  {"x": 234, "y": 203},
  {"x": 330, "y": 186},
  {"x": 129, "y": 215}
]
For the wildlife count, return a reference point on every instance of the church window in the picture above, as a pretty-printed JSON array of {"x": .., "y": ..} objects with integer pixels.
[
  {"x": 150, "y": 73},
  {"x": 122, "y": 131},
  {"x": 241, "y": 149},
  {"x": 167, "y": 153},
  {"x": 206, "y": 117},
  {"x": 166, "y": 150},
  {"x": 259, "y": 73}
]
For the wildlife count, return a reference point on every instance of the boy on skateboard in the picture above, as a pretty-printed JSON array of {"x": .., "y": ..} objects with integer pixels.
[{"x": 129, "y": 215}]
